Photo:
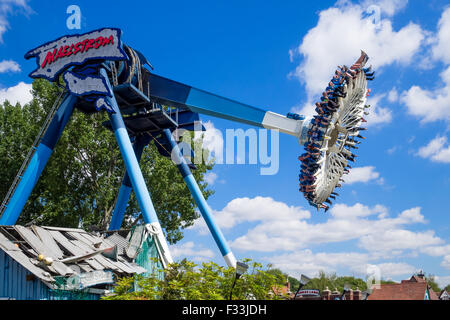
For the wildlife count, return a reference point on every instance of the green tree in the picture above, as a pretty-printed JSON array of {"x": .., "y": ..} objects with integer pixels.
[
  {"x": 187, "y": 281},
  {"x": 282, "y": 278},
  {"x": 295, "y": 283},
  {"x": 432, "y": 283},
  {"x": 332, "y": 281},
  {"x": 83, "y": 176}
]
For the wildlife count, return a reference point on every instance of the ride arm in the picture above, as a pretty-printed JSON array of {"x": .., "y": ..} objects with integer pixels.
[{"x": 175, "y": 94}]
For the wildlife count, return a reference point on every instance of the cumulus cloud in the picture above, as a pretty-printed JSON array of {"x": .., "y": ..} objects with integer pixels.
[
  {"x": 436, "y": 251},
  {"x": 286, "y": 233},
  {"x": 212, "y": 140},
  {"x": 310, "y": 263},
  {"x": 189, "y": 249},
  {"x": 6, "y": 8},
  {"x": 343, "y": 30},
  {"x": 275, "y": 226},
  {"x": 210, "y": 178},
  {"x": 388, "y": 7},
  {"x": 446, "y": 262},
  {"x": 389, "y": 269},
  {"x": 429, "y": 105},
  {"x": 242, "y": 210},
  {"x": 442, "y": 281},
  {"x": 437, "y": 150},
  {"x": 397, "y": 240},
  {"x": 393, "y": 95},
  {"x": 361, "y": 174},
  {"x": 377, "y": 115},
  {"x": 433, "y": 104},
  {"x": 20, "y": 93},
  {"x": 9, "y": 66},
  {"x": 441, "y": 51}
]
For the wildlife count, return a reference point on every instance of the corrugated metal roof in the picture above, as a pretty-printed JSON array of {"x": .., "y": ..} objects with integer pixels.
[
  {"x": 49, "y": 252},
  {"x": 118, "y": 240}
]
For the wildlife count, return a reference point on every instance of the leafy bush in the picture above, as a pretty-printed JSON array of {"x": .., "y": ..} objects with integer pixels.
[{"x": 186, "y": 280}]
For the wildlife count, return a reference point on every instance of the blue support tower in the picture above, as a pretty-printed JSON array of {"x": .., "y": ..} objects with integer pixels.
[
  {"x": 38, "y": 161},
  {"x": 131, "y": 162},
  {"x": 200, "y": 200},
  {"x": 125, "y": 190}
]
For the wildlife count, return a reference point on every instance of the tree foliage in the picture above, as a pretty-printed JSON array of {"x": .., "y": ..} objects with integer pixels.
[
  {"x": 432, "y": 283},
  {"x": 82, "y": 178},
  {"x": 283, "y": 277},
  {"x": 186, "y": 280},
  {"x": 332, "y": 281}
]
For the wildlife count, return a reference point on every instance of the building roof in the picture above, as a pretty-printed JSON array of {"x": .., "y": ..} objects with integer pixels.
[
  {"x": 283, "y": 290},
  {"x": 50, "y": 252},
  {"x": 413, "y": 289},
  {"x": 444, "y": 295}
]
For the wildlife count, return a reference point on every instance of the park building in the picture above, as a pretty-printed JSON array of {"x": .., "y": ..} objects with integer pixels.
[
  {"x": 52, "y": 263},
  {"x": 415, "y": 288}
]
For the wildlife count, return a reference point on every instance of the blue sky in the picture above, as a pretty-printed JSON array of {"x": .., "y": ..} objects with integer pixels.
[{"x": 393, "y": 211}]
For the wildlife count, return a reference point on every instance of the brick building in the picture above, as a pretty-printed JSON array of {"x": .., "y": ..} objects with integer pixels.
[{"x": 416, "y": 288}]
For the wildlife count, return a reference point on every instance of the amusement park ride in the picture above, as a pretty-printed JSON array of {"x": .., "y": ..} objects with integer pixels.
[{"x": 101, "y": 73}]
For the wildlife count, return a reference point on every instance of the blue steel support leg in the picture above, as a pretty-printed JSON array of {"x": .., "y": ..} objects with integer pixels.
[
  {"x": 137, "y": 179},
  {"x": 125, "y": 189},
  {"x": 38, "y": 161},
  {"x": 200, "y": 201},
  {"x": 131, "y": 163}
]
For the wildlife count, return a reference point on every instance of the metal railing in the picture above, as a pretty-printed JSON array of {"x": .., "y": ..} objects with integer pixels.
[{"x": 30, "y": 153}]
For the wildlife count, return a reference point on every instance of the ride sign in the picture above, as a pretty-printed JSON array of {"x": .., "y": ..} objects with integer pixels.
[
  {"x": 308, "y": 293},
  {"x": 56, "y": 56},
  {"x": 84, "y": 55}
]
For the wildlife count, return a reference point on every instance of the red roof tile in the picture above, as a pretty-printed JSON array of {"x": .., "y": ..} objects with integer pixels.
[{"x": 412, "y": 289}]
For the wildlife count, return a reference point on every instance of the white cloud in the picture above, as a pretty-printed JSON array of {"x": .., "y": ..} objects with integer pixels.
[
  {"x": 377, "y": 115},
  {"x": 393, "y": 95},
  {"x": 397, "y": 240},
  {"x": 287, "y": 231},
  {"x": 6, "y": 8},
  {"x": 412, "y": 215},
  {"x": 436, "y": 251},
  {"x": 446, "y": 262},
  {"x": 389, "y": 270},
  {"x": 210, "y": 178},
  {"x": 438, "y": 150},
  {"x": 342, "y": 211},
  {"x": 212, "y": 140},
  {"x": 361, "y": 174},
  {"x": 283, "y": 228},
  {"x": 392, "y": 150},
  {"x": 242, "y": 210},
  {"x": 309, "y": 263},
  {"x": 429, "y": 105},
  {"x": 442, "y": 281},
  {"x": 9, "y": 66},
  {"x": 388, "y": 7},
  {"x": 189, "y": 249},
  {"x": 442, "y": 48},
  {"x": 433, "y": 105},
  {"x": 20, "y": 93},
  {"x": 340, "y": 34}
]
